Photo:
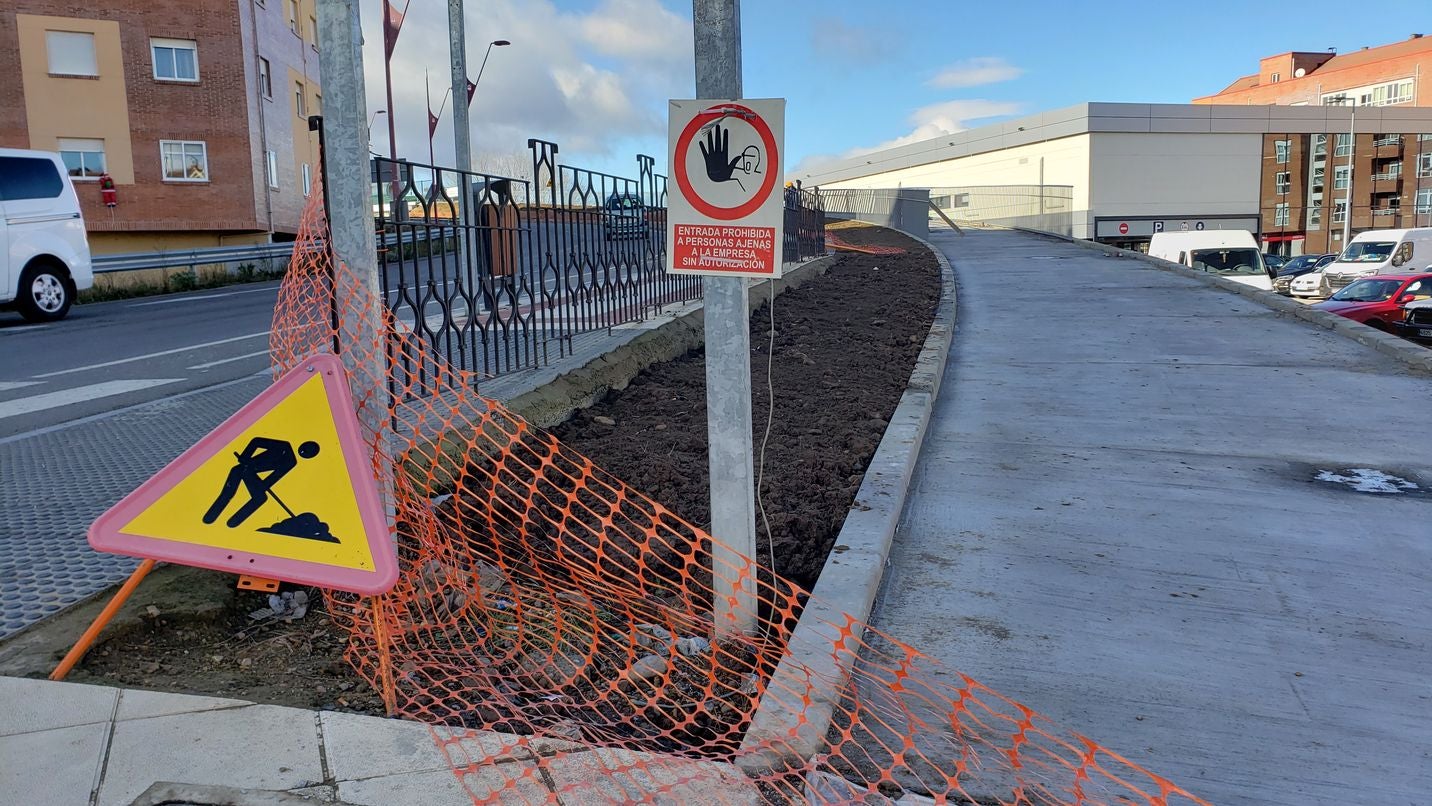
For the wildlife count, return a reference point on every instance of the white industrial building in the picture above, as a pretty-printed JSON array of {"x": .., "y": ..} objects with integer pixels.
[{"x": 1119, "y": 172}]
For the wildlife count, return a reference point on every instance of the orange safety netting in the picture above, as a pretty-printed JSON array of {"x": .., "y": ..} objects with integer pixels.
[
  {"x": 547, "y": 612},
  {"x": 839, "y": 244}
]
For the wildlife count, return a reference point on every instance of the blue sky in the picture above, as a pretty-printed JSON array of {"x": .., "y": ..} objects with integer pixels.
[{"x": 594, "y": 75}]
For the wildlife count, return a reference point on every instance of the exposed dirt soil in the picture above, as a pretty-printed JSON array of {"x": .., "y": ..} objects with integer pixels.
[{"x": 844, "y": 347}]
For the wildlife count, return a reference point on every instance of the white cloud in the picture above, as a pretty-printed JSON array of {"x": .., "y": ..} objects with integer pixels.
[
  {"x": 934, "y": 120},
  {"x": 638, "y": 30},
  {"x": 592, "y": 81},
  {"x": 975, "y": 72}
]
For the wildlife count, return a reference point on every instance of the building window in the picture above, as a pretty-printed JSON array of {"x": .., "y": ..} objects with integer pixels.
[
  {"x": 175, "y": 59},
  {"x": 1341, "y": 175},
  {"x": 1284, "y": 182},
  {"x": 84, "y": 158},
  {"x": 1320, "y": 145},
  {"x": 1339, "y": 212},
  {"x": 1281, "y": 148},
  {"x": 1275, "y": 78},
  {"x": 307, "y": 180},
  {"x": 265, "y": 78},
  {"x": 300, "y": 104},
  {"x": 1392, "y": 170},
  {"x": 71, "y": 53},
  {"x": 1342, "y": 146},
  {"x": 1424, "y": 201},
  {"x": 185, "y": 160},
  {"x": 1319, "y": 174},
  {"x": 272, "y": 159},
  {"x": 317, "y": 104},
  {"x": 1280, "y": 215},
  {"x": 1315, "y": 217},
  {"x": 1424, "y": 165},
  {"x": 293, "y": 17},
  {"x": 313, "y": 31}
]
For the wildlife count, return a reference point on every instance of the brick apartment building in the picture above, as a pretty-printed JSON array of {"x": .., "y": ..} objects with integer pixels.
[
  {"x": 1312, "y": 182},
  {"x": 196, "y": 108}
]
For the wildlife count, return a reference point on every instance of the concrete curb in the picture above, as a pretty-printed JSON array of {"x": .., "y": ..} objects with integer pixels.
[
  {"x": 1415, "y": 356},
  {"x": 790, "y": 722}
]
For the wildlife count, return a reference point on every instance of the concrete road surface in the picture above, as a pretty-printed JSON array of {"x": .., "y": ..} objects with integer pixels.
[{"x": 1117, "y": 519}]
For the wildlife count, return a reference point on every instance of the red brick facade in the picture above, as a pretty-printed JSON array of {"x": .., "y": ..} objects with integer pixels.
[{"x": 218, "y": 110}]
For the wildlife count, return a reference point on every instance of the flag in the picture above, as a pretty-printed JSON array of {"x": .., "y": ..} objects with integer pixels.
[
  {"x": 432, "y": 123},
  {"x": 391, "y": 25},
  {"x": 471, "y": 88}
]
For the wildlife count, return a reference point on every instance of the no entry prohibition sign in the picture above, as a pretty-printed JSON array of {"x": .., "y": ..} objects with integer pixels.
[{"x": 725, "y": 216}]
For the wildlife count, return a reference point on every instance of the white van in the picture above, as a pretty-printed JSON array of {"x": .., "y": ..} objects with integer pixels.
[
  {"x": 44, "y": 255},
  {"x": 1379, "y": 251},
  {"x": 1231, "y": 253}
]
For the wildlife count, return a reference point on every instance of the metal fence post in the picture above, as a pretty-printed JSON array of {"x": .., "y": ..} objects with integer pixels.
[{"x": 717, "y": 34}]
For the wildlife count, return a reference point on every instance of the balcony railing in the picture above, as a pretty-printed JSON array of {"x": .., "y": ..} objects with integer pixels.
[
  {"x": 1387, "y": 176},
  {"x": 1395, "y": 140},
  {"x": 1386, "y": 211}
]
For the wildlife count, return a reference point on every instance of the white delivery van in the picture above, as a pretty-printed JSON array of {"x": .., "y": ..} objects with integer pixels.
[
  {"x": 1231, "y": 253},
  {"x": 44, "y": 255},
  {"x": 1380, "y": 251}
]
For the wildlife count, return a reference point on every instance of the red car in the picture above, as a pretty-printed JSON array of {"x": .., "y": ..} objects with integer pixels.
[{"x": 1377, "y": 301}]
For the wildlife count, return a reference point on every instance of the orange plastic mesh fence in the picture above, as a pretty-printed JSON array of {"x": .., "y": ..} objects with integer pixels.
[
  {"x": 554, "y": 627},
  {"x": 834, "y": 241}
]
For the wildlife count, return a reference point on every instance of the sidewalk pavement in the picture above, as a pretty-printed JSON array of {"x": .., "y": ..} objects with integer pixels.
[
  {"x": 1117, "y": 520},
  {"x": 66, "y": 744}
]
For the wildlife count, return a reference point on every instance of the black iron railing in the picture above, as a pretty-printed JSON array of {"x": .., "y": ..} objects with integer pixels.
[{"x": 495, "y": 274}]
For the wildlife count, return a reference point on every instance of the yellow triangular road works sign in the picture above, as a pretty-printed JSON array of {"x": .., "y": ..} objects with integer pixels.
[{"x": 283, "y": 489}]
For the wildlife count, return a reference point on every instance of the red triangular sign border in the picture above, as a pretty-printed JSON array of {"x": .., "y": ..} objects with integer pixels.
[{"x": 107, "y": 535}]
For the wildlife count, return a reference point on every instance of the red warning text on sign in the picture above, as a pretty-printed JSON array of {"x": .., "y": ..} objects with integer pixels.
[{"x": 712, "y": 249}]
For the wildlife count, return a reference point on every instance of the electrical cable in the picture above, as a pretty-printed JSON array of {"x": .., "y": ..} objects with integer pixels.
[{"x": 770, "y": 419}]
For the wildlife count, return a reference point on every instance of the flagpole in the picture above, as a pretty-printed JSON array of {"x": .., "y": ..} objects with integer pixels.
[
  {"x": 429, "y": 96},
  {"x": 390, "y": 41}
]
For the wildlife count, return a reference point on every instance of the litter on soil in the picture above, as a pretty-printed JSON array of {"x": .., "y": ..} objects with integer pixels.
[{"x": 828, "y": 369}]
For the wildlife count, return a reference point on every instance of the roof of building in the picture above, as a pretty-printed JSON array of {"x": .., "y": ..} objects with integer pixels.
[
  {"x": 1120, "y": 118},
  {"x": 1415, "y": 46}
]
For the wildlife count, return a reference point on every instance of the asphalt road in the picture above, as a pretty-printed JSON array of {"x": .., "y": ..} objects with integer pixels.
[{"x": 111, "y": 355}]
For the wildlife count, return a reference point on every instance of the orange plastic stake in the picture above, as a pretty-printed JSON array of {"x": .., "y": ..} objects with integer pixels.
[
  {"x": 101, "y": 621},
  {"x": 253, "y": 583}
]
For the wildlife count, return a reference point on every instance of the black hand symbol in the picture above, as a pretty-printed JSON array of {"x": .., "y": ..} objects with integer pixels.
[{"x": 715, "y": 151}]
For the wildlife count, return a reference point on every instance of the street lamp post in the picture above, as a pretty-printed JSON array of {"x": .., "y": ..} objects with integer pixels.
[
  {"x": 496, "y": 43},
  {"x": 1339, "y": 100},
  {"x": 371, "y": 120}
]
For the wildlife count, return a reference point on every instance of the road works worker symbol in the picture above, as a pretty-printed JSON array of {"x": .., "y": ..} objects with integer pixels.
[{"x": 283, "y": 489}]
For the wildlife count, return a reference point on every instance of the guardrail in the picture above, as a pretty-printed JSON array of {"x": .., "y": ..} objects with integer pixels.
[{"x": 138, "y": 261}]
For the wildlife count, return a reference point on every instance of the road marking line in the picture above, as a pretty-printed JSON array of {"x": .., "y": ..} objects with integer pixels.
[
  {"x": 172, "y": 300},
  {"x": 227, "y": 360},
  {"x": 79, "y": 394},
  {"x": 6, "y": 386},
  {"x": 153, "y": 355},
  {"x": 21, "y": 329}
]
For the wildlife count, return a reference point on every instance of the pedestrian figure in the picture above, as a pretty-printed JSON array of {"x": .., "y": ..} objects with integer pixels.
[{"x": 263, "y": 462}]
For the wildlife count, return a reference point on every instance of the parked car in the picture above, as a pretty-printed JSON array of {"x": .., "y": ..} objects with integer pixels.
[
  {"x": 1380, "y": 251},
  {"x": 1228, "y": 253},
  {"x": 1310, "y": 285},
  {"x": 1416, "y": 322},
  {"x": 47, "y": 260},
  {"x": 1297, "y": 267},
  {"x": 624, "y": 216},
  {"x": 1377, "y": 301},
  {"x": 1274, "y": 262}
]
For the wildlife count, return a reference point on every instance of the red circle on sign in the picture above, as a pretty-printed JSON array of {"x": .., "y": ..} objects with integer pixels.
[
  {"x": 1123, "y": 228},
  {"x": 683, "y": 181}
]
